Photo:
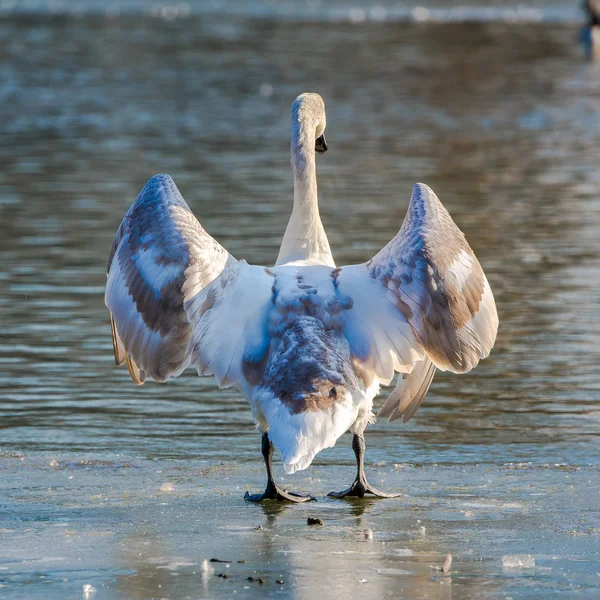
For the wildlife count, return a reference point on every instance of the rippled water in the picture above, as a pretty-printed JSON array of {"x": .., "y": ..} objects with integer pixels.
[{"x": 501, "y": 119}]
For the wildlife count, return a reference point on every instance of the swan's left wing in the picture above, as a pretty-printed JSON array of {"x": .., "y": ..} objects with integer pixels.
[
  {"x": 177, "y": 298},
  {"x": 428, "y": 286}
]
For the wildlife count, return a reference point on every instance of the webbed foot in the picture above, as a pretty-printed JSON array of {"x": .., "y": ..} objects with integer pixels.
[
  {"x": 274, "y": 492},
  {"x": 358, "y": 490},
  {"x": 360, "y": 486}
]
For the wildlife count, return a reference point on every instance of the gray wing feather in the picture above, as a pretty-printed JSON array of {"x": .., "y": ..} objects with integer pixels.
[
  {"x": 157, "y": 242},
  {"x": 423, "y": 302},
  {"x": 409, "y": 393},
  {"x": 438, "y": 284}
]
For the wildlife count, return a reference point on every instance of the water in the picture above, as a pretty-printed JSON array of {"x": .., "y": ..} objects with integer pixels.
[{"x": 501, "y": 118}]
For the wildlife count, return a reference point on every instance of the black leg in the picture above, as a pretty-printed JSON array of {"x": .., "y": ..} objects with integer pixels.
[
  {"x": 360, "y": 486},
  {"x": 273, "y": 491}
]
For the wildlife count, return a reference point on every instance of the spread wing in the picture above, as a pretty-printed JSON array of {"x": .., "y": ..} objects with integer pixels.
[
  {"x": 177, "y": 297},
  {"x": 427, "y": 293}
]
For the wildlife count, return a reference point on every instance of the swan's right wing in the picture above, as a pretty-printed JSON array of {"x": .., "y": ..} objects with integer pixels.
[
  {"x": 422, "y": 302},
  {"x": 177, "y": 297},
  {"x": 432, "y": 274}
]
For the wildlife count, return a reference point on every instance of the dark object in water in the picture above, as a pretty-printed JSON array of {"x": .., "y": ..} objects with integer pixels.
[
  {"x": 590, "y": 34},
  {"x": 592, "y": 8},
  {"x": 314, "y": 521},
  {"x": 219, "y": 560}
]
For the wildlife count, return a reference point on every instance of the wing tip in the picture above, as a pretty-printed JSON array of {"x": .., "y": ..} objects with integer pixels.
[
  {"x": 384, "y": 411},
  {"x": 422, "y": 192},
  {"x": 121, "y": 356},
  {"x": 409, "y": 393},
  {"x": 135, "y": 372},
  {"x": 118, "y": 349},
  {"x": 159, "y": 178},
  {"x": 163, "y": 185},
  {"x": 420, "y": 186}
]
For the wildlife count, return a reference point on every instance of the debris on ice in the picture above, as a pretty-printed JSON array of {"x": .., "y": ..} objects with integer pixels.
[
  {"x": 518, "y": 561},
  {"x": 445, "y": 568},
  {"x": 447, "y": 563}
]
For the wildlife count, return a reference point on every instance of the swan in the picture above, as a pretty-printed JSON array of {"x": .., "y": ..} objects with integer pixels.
[{"x": 307, "y": 343}]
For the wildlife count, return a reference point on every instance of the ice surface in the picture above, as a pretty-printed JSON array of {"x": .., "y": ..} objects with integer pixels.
[
  {"x": 518, "y": 561},
  {"x": 107, "y": 524}
]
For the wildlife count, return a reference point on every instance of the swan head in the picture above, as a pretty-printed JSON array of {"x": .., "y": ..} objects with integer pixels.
[{"x": 308, "y": 115}]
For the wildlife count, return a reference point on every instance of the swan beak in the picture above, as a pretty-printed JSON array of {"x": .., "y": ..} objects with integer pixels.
[{"x": 321, "y": 144}]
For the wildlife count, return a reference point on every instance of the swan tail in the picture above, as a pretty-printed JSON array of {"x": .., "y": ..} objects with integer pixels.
[{"x": 300, "y": 436}]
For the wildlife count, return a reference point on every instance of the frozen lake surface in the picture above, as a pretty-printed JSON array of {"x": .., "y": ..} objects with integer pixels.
[
  {"x": 105, "y": 522},
  {"x": 500, "y": 116}
]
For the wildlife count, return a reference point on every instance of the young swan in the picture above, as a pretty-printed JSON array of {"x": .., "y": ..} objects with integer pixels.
[{"x": 306, "y": 343}]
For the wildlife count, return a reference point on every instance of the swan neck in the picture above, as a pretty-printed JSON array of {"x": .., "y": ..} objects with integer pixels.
[
  {"x": 305, "y": 170},
  {"x": 305, "y": 238}
]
